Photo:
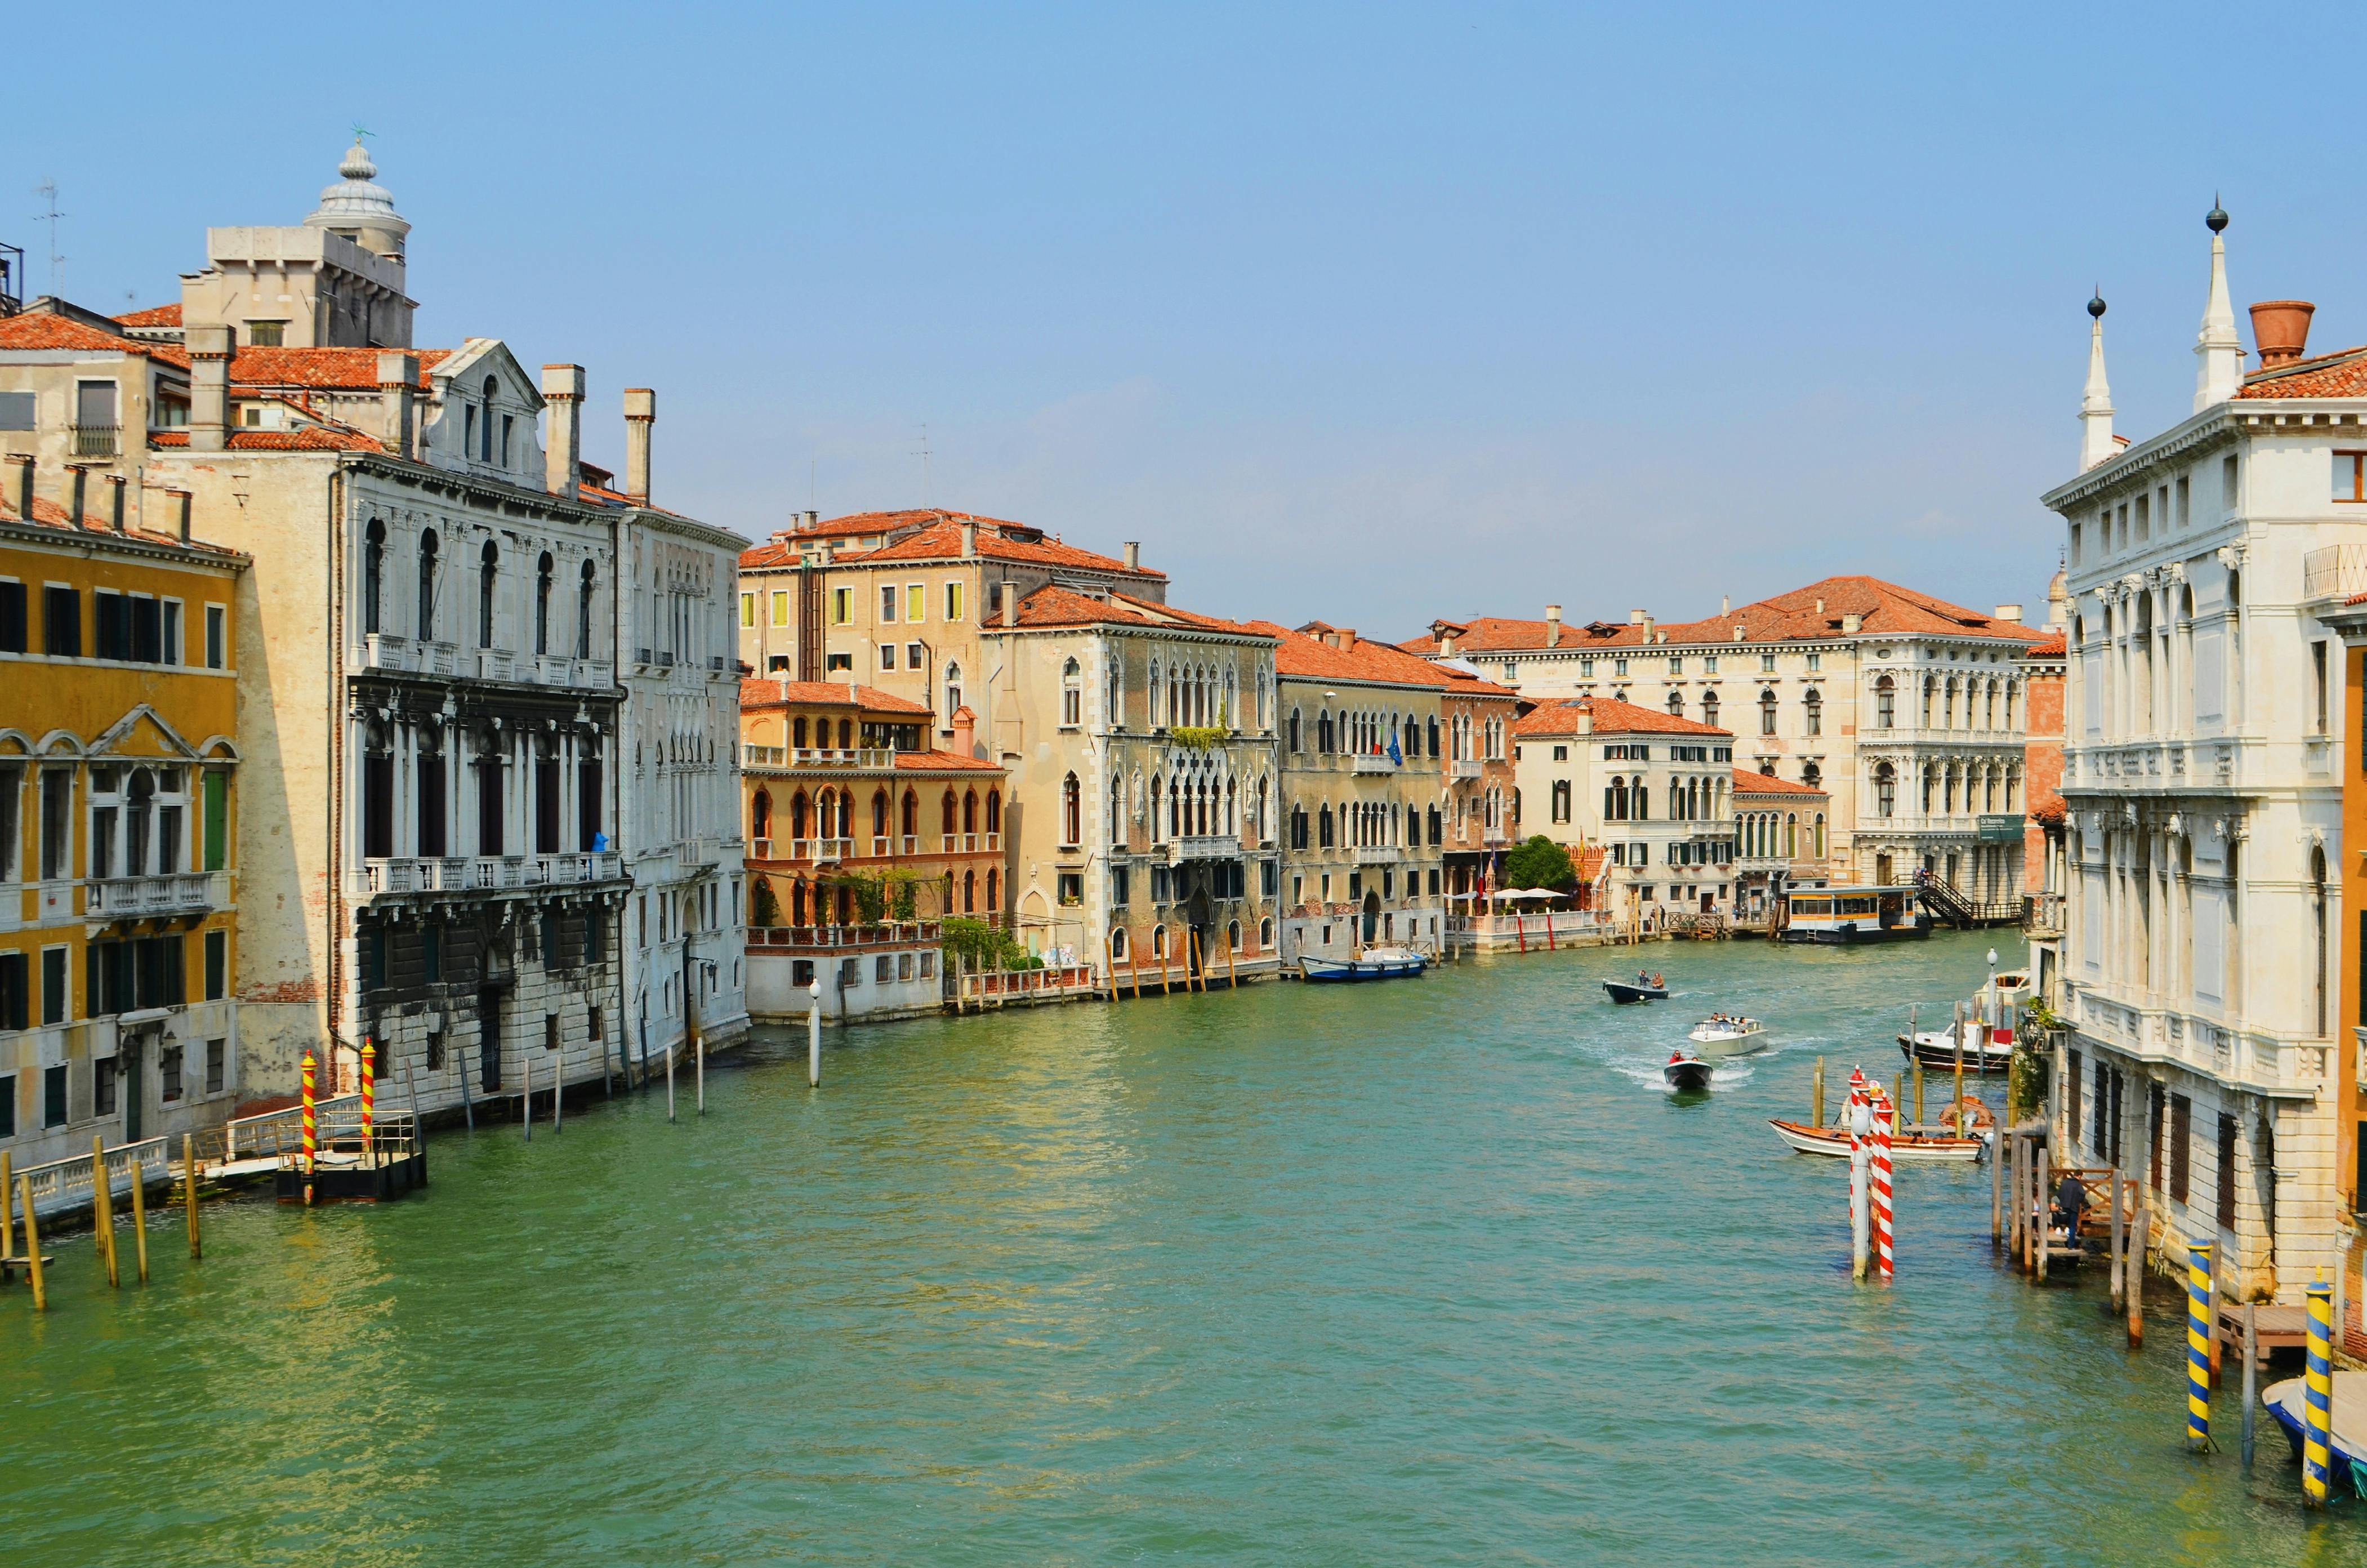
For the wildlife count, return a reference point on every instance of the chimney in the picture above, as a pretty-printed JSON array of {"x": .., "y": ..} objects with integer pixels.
[
  {"x": 1134, "y": 555},
  {"x": 20, "y": 492},
  {"x": 640, "y": 413},
  {"x": 1553, "y": 626},
  {"x": 115, "y": 502},
  {"x": 210, "y": 350},
  {"x": 2281, "y": 329},
  {"x": 1851, "y": 622},
  {"x": 398, "y": 393},
  {"x": 1344, "y": 639},
  {"x": 1446, "y": 644},
  {"x": 826, "y": 552},
  {"x": 181, "y": 511},
  {"x": 1647, "y": 627},
  {"x": 1820, "y": 606},
  {"x": 964, "y": 725},
  {"x": 1725, "y": 604},
  {"x": 1586, "y": 721},
  {"x": 813, "y": 519},
  {"x": 75, "y": 490},
  {"x": 1009, "y": 602},
  {"x": 1636, "y": 618},
  {"x": 563, "y": 389},
  {"x": 2009, "y": 613},
  {"x": 969, "y": 540}
]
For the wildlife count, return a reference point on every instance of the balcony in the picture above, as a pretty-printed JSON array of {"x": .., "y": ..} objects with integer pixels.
[
  {"x": 479, "y": 873},
  {"x": 1204, "y": 846},
  {"x": 2338, "y": 570},
  {"x": 496, "y": 663},
  {"x": 868, "y": 758},
  {"x": 2043, "y": 914},
  {"x": 972, "y": 843},
  {"x": 1378, "y": 854},
  {"x": 138, "y": 898},
  {"x": 819, "y": 851},
  {"x": 1464, "y": 767},
  {"x": 97, "y": 441},
  {"x": 386, "y": 651},
  {"x": 1370, "y": 762}
]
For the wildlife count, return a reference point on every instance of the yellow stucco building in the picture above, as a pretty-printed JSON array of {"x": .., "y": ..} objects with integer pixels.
[{"x": 117, "y": 772}]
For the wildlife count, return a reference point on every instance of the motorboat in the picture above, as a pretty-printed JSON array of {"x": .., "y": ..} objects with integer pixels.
[
  {"x": 1683, "y": 1071},
  {"x": 1623, "y": 992},
  {"x": 1371, "y": 964},
  {"x": 2346, "y": 1443},
  {"x": 1935, "y": 1049},
  {"x": 1724, "y": 1036},
  {"x": 1913, "y": 1147}
]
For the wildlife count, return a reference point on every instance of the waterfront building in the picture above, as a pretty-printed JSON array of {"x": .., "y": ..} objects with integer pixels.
[
  {"x": 2210, "y": 569},
  {"x": 863, "y": 838},
  {"x": 1139, "y": 740},
  {"x": 1903, "y": 707},
  {"x": 1781, "y": 830},
  {"x": 1478, "y": 778},
  {"x": 1365, "y": 808},
  {"x": 120, "y": 788},
  {"x": 78, "y": 396},
  {"x": 2042, "y": 667},
  {"x": 1655, "y": 789}
]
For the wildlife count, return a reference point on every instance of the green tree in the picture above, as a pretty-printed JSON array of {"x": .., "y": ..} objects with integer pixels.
[
  {"x": 768, "y": 906},
  {"x": 986, "y": 946},
  {"x": 1539, "y": 863}
]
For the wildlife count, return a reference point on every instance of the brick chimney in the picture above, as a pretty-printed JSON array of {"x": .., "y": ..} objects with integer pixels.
[
  {"x": 210, "y": 351},
  {"x": 964, "y": 725},
  {"x": 1851, "y": 622},
  {"x": 1638, "y": 617},
  {"x": 2011, "y": 613},
  {"x": 640, "y": 413},
  {"x": 77, "y": 488},
  {"x": 1446, "y": 644},
  {"x": 1553, "y": 626},
  {"x": 1134, "y": 555},
  {"x": 968, "y": 539},
  {"x": 115, "y": 515},
  {"x": 2281, "y": 329},
  {"x": 1009, "y": 602},
  {"x": 181, "y": 512},
  {"x": 1344, "y": 639},
  {"x": 563, "y": 454},
  {"x": 20, "y": 487},
  {"x": 398, "y": 393}
]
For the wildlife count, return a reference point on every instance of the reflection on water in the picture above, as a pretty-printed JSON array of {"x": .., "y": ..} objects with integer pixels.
[{"x": 1418, "y": 1272}]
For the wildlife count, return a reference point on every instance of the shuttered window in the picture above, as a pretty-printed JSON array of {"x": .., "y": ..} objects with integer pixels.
[{"x": 2181, "y": 1145}]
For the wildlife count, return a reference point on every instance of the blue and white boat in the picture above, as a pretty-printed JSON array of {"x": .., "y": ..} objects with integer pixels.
[
  {"x": 1373, "y": 963},
  {"x": 2346, "y": 1445}
]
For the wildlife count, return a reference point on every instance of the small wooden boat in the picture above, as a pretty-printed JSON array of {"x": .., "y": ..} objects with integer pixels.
[
  {"x": 1729, "y": 1037},
  {"x": 1913, "y": 1147},
  {"x": 2346, "y": 1443},
  {"x": 1373, "y": 963},
  {"x": 1935, "y": 1049},
  {"x": 1623, "y": 992},
  {"x": 1683, "y": 1071}
]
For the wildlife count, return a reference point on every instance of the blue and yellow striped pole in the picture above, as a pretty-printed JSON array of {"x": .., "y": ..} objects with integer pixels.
[
  {"x": 2318, "y": 1401},
  {"x": 2198, "y": 1347}
]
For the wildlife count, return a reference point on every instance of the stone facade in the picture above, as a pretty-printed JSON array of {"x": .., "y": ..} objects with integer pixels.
[{"x": 1655, "y": 789}]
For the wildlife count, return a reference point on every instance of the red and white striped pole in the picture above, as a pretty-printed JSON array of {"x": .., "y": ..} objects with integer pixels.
[
  {"x": 1854, "y": 1114},
  {"x": 1886, "y": 1118}
]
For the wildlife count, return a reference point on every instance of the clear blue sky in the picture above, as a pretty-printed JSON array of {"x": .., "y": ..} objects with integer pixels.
[{"x": 1372, "y": 313}]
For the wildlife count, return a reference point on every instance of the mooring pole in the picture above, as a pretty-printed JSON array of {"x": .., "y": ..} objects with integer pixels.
[
  {"x": 669, "y": 1083},
  {"x": 189, "y": 1192},
  {"x": 2317, "y": 1395},
  {"x": 2252, "y": 1380},
  {"x": 102, "y": 1208},
  {"x": 526, "y": 1103},
  {"x": 813, "y": 1032},
  {"x": 33, "y": 1247},
  {"x": 139, "y": 1217},
  {"x": 2198, "y": 1347},
  {"x": 2120, "y": 1242}
]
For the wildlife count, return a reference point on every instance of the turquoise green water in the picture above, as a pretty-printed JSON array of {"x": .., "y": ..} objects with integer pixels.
[{"x": 1415, "y": 1273}]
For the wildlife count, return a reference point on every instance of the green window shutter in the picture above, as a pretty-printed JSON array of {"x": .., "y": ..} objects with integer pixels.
[{"x": 217, "y": 820}]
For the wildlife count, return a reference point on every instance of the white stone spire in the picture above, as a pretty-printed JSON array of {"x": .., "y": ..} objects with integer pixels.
[
  {"x": 2096, "y": 409},
  {"x": 2221, "y": 374}
]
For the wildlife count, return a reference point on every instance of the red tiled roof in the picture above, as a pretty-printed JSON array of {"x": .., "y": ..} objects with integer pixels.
[
  {"x": 758, "y": 692},
  {"x": 154, "y": 315},
  {"x": 1749, "y": 783},
  {"x": 327, "y": 370},
  {"x": 2342, "y": 373},
  {"x": 48, "y": 514},
  {"x": 909, "y": 519},
  {"x": 309, "y": 438},
  {"x": 46, "y": 329},
  {"x": 2049, "y": 809},
  {"x": 1299, "y": 653},
  {"x": 942, "y": 541},
  {"x": 2054, "y": 647},
  {"x": 1885, "y": 608},
  {"x": 942, "y": 762},
  {"x": 1612, "y": 717},
  {"x": 1053, "y": 606}
]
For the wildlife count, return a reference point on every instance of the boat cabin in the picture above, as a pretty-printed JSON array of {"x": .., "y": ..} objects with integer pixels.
[{"x": 1846, "y": 914}]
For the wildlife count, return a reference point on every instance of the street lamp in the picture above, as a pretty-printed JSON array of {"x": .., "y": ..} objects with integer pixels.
[{"x": 1994, "y": 1012}]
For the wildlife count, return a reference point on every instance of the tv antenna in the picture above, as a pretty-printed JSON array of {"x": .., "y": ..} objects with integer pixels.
[
  {"x": 923, "y": 455},
  {"x": 48, "y": 191}
]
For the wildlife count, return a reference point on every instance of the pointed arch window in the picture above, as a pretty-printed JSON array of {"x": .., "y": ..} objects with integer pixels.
[
  {"x": 488, "y": 573},
  {"x": 1886, "y": 790},
  {"x": 1072, "y": 699},
  {"x": 1709, "y": 708},
  {"x": 427, "y": 585},
  {"x": 373, "y": 573},
  {"x": 1072, "y": 812},
  {"x": 953, "y": 692},
  {"x": 1885, "y": 704},
  {"x": 543, "y": 572},
  {"x": 584, "y": 586},
  {"x": 1767, "y": 711}
]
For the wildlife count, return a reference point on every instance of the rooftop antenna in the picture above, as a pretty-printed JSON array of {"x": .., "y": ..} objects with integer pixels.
[
  {"x": 923, "y": 455},
  {"x": 48, "y": 191}
]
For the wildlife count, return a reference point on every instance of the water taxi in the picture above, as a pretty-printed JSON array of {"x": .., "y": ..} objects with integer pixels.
[
  {"x": 1373, "y": 963},
  {"x": 1722, "y": 1036},
  {"x": 1988, "y": 1030},
  {"x": 1844, "y": 916}
]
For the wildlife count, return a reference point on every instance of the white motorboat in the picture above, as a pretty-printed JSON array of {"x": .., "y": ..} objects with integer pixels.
[
  {"x": 1724, "y": 1036},
  {"x": 1373, "y": 963}
]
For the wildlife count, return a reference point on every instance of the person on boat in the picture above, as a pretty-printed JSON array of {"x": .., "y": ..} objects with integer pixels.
[
  {"x": 1655, "y": 980},
  {"x": 1643, "y": 979},
  {"x": 1677, "y": 1055},
  {"x": 2070, "y": 1200}
]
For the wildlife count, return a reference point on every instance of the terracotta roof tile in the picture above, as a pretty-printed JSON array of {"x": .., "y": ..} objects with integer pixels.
[
  {"x": 758, "y": 692},
  {"x": 1883, "y": 608},
  {"x": 154, "y": 315},
  {"x": 1053, "y": 606},
  {"x": 1612, "y": 717},
  {"x": 2342, "y": 373},
  {"x": 326, "y": 369},
  {"x": 46, "y": 329},
  {"x": 310, "y": 438},
  {"x": 1749, "y": 783},
  {"x": 2049, "y": 809},
  {"x": 942, "y": 541},
  {"x": 2054, "y": 647},
  {"x": 1309, "y": 657},
  {"x": 942, "y": 762}
]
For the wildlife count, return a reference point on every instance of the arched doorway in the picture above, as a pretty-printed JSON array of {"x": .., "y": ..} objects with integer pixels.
[
  {"x": 1199, "y": 912},
  {"x": 1371, "y": 915}
]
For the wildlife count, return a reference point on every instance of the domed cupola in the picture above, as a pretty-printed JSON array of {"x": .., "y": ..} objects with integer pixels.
[{"x": 361, "y": 210}]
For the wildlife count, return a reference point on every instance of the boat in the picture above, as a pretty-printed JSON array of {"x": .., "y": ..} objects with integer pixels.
[
  {"x": 1988, "y": 1030},
  {"x": 1373, "y": 963},
  {"x": 1843, "y": 917},
  {"x": 1729, "y": 1037},
  {"x": 2346, "y": 1443},
  {"x": 1683, "y": 1071},
  {"x": 1912, "y": 1148},
  {"x": 1623, "y": 992}
]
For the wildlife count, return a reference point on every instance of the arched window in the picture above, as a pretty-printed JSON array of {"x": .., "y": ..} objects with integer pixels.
[
  {"x": 1820, "y": 835},
  {"x": 1709, "y": 708},
  {"x": 1886, "y": 703},
  {"x": 1812, "y": 776},
  {"x": 1947, "y": 704},
  {"x": 1886, "y": 790},
  {"x": 760, "y": 822},
  {"x": 1117, "y": 811},
  {"x": 485, "y": 450},
  {"x": 970, "y": 893},
  {"x": 798, "y": 733},
  {"x": 798, "y": 815},
  {"x": 1233, "y": 936},
  {"x": 373, "y": 574},
  {"x": 428, "y": 585},
  {"x": 1158, "y": 941},
  {"x": 583, "y": 611},
  {"x": 1157, "y": 815},
  {"x": 1677, "y": 702},
  {"x": 970, "y": 811},
  {"x": 1324, "y": 830},
  {"x": 1117, "y": 942},
  {"x": 1072, "y": 811},
  {"x": 1791, "y": 834},
  {"x": 487, "y": 573},
  {"x": 1767, "y": 711},
  {"x": 1930, "y": 694},
  {"x": 1114, "y": 696},
  {"x": 1812, "y": 709},
  {"x": 1266, "y": 933},
  {"x": 912, "y": 826},
  {"x": 953, "y": 692},
  {"x": 1433, "y": 728},
  {"x": 1638, "y": 801},
  {"x": 543, "y": 574},
  {"x": 1294, "y": 730},
  {"x": 1073, "y": 697},
  {"x": 1232, "y": 818},
  {"x": 796, "y": 902},
  {"x": 879, "y": 813},
  {"x": 1323, "y": 732},
  {"x": 945, "y": 816},
  {"x": 993, "y": 883},
  {"x": 994, "y": 811}
]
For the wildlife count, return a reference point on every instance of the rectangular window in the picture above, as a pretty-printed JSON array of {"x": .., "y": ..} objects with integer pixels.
[
  {"x": 780, "y": 608},
  {"x": 217, "y": 965},
  {"x": 747, "y": 611},
  {"x": 2318, "y": 675},
  {"x": 269, "y": 335},
  {"x": 842, "y": 606},
  {"x": 2350, "y": 476},
  {"x": 916, "y": 601},
  {"x": 1767, "y": 664},
  {"x": 2226, "y": 1173},
  {"x": 2181, "y": 1112},
  {"x": 57, "y": 824},
  {"x": 168, "y": 643},
  {"x": 13, "y": 620},
  {"x": 1121, "y": 887},
  {"x": 912, "y": 655},
  {"x": 102, "y": 1086},
  {"x": 953, "y": 601},
  {"x": 57, "y": 999},
  {"x": 168, "y": 1073},
  {"x": 216, "y": 637},
  {"x": 16, "y": 410},
  {"x": 217, "y": 1059},
  {"x": 888, "y": 602},
  {"x": 110, "y": 625},
  {"x": 429, "y": 781},
  {"x": 8, "y": 1106},
  {"x": 61, "y": 622},
  {"x": 16, "y": 991},
  {"x": 887, "y": 655},
  {"x": 53, "y": 1096}
]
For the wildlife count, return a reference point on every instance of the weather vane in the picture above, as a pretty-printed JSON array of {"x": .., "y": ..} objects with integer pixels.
[{"x": 361, "y": 132}]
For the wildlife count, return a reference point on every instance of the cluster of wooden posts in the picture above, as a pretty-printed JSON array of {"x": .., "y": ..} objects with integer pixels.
[
  {"x": 1195, "y": 971},
  {"x": 16, "y": 1191}
]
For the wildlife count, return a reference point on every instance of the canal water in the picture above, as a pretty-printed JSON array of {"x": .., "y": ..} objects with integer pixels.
[{"x": 1413, "y": 1273}]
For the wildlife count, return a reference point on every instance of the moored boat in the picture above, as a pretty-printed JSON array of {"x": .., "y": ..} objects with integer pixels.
[
  {"x": 1373, "y": 963},
  {"x": 2346, "y": 1443},
  {"x": 1913, "y": 1147},
  {"x": 1935, "y": 1049},
  {"x": 1683, "y": 1071}
]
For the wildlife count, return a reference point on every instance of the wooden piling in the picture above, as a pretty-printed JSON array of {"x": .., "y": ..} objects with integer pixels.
[
  {"x": 2135, "y": 1271},
  {"x": 1817, "y": 1095},
  {"x": 467, "y": 1100},
  {"x": 189, "y": 1186},
  {"x": 669, "y": 1083},
  {"x": 558, "y": 1090},
  {"x": 2041, "y": 1173},
  {"x": 698, "y": 1044},
  {"x": 1898, "y": 1092},
  {"x": 33, "y": 1247},
  {"x": 1997, "y": 1178},
  {"x": 525, "y": 1100},
  {"x": 1133, "y": 966},
  {"x": 140, "y": 1219},
  {"x": 2119, "y": 1240},
  {"x": 608, "y": 1079},
  {"x": 102, "y": 1209},
  {"x": 1919, "y": 1093},
  {"x": 2252, "y": 1380},
  {"x": 8, "y": 1207},
  {"x": 1232, "y": 966}
]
